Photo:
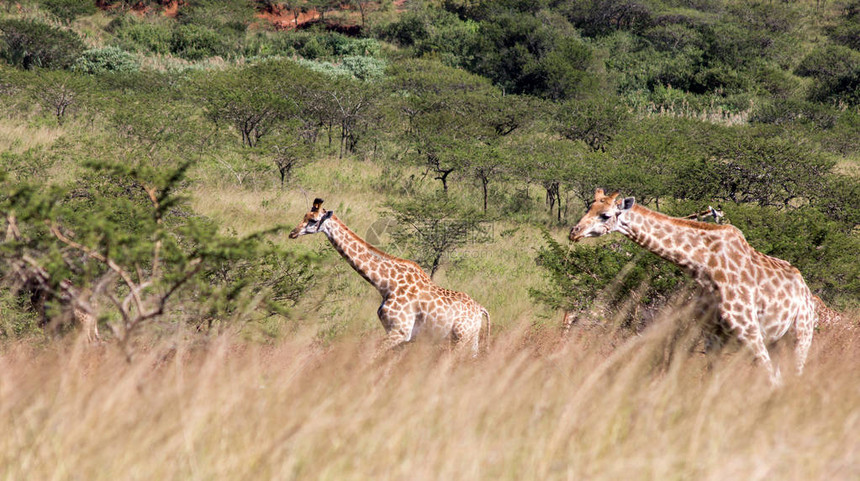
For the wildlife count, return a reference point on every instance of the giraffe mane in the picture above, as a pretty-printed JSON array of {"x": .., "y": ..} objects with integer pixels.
[{"x": 681, "y": 222}]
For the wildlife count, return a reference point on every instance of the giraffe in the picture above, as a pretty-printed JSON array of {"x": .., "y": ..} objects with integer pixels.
[
  {"x": 758, "y": 297},
  {"x": 702, "y": 308},
  {"x": 717, "y": 214},
  {"x": 412, "y": 303},
  {"x": 829, "y": 318}
]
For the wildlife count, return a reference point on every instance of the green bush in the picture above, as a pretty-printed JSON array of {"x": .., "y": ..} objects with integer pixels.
[
  {"x": 365, "y": 47},
  {"x": 326, "y": 68},
  {"x": 68, "y": 10},
  {"x": 781, "y": 112},
  {"x": 31, "y": 44},
  {"x": 364, "y": 68},
  {"x": 194, "y": 42},
  {"x": 103, "y": 60},
  {"x": 578, "y": 276},
  {"x": 847, "y": 34},
  {"x": 837, "y": 72},
  {"x": 142, "y": 36},
  {"x": 266, "y": 44},
  {"x": 435, "y": 32}
]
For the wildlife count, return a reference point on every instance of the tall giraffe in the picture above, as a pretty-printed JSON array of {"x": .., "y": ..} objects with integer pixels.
[
  {"x": 412, "y": 304},
  {"x": 758, "y": 297}
]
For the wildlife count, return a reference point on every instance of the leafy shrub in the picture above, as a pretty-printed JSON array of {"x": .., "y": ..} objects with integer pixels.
[
  {"x": 432, "y": 227},
  {"x": 776, "y": 82},
  {"x": 142, "y": 36},
  {"x": 194, "y": 42},
  {"x": 578, "y": 276},
  {"x": 31, "y": 44},
  {"x": 312, "y": 49},
  {"x": 68, "y": 10},
  {"x": 108, "y": 59},
  {"x": 521, "y": 54},
  {"x": 601, "y": 17},
  {"x": 143, "y": 227},
  {"x": 827, "y": 62},
  {"x": 326, "y": 68},
  {"x": 434, "y": 32},
  {"x": 837, "y": 70},
  {"x": 364, "y": 68},
  {"x": 365, "y": 47},
  {"x": 847, "y": 34},
  {"x": 265, "y": 44},
  {"x": 790, "y": 111},
  {"x": 842, "y": 138}
]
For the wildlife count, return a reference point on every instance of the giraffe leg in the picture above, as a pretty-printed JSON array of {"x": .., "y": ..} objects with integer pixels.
[
  {"x": 466, "y": 333},
  {"x": 804, "y": 328},
  {"x": 394, "y": 339},
  {"x": 706, "y": 312},
  {"x": 713, "y": 342},
  {"x": 750, "y": 335},
  {"x": 398, "y": 325}
]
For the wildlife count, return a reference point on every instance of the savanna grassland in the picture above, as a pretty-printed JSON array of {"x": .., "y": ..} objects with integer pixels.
[
  {"x": 154, "y": 155},
  {"x": 531, "y": 408}
]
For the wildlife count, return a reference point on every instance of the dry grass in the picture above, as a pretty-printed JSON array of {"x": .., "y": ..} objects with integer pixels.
[
  {"x": 595, "y": 407},
  {"x": 16, "y": 136}
]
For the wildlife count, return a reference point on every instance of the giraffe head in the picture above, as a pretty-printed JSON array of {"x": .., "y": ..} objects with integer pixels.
[
  {"x": 603, "y": 216},
  {"x": 313, "y": 220}
]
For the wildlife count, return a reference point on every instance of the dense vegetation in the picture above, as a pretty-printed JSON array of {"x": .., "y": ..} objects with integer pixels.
[{"x": 124, "y": 130}]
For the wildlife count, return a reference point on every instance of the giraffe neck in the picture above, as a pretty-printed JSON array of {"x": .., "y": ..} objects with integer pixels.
[
  {"x": 676, "y": 240},
  {"x": 373, "y": 264}
]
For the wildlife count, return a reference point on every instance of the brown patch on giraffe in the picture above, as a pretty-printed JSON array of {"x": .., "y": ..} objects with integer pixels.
[{"x": 712, "y": 261}]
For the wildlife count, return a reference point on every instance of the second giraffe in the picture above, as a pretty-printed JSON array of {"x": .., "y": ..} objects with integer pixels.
[{"x": 412, "y": 303}]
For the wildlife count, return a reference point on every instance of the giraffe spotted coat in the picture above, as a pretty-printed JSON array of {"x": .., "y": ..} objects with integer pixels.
[
  {"x": 758, "y": 298},
  {"x": 412, "y": 304}
]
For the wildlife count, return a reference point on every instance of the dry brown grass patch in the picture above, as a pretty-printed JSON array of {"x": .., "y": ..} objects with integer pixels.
[{"x": 532, "y": 408}]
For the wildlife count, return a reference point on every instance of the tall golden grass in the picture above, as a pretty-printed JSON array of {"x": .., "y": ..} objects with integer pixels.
[{"x": 594, "y": 405}]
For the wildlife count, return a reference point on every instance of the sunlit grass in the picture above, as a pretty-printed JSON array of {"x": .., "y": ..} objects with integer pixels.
[
  {"x": 17, "y": 136},
  {"x": 598, "y": 406}
]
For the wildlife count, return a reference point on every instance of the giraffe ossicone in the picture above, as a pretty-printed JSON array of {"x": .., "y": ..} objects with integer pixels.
[
  {"x": 759, "y": 298},
  {"x": 412, "y": 304}
]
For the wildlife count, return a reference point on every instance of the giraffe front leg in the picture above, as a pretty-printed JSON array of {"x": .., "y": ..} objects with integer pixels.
[
  {"x": 398, "y": 325},
  {"x": 466, "y": 333},
  {"x": 750, "y": 335},
  {"x": 804, "y": 326}
]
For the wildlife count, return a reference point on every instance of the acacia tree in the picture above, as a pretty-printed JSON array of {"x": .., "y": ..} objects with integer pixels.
[
  {"x": 451, "y": 113},
  {"x": 142, "y": 252},
  {"x": 554, "y": 164},
  {"x": 353, "y": 104},
  {"x": 290, "y": 152},
  {"x": 297, "y": 8},
  {"x": 253, "y": 100},
  {"x": 758, "y": 165},
  {"x": 58, "y": 91},
  {"x": 595, "y": 121},
  {"x": 431, "y": 227}
]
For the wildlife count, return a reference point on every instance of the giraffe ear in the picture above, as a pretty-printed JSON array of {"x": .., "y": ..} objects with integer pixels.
[
  {"x": 627, "y": 203},
  {"x": 326, "y": 215}
]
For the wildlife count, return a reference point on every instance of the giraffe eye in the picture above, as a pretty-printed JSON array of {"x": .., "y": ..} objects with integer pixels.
[
  {"x": 311, "y": 222},
  {"x": 604, "y": 216}
]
